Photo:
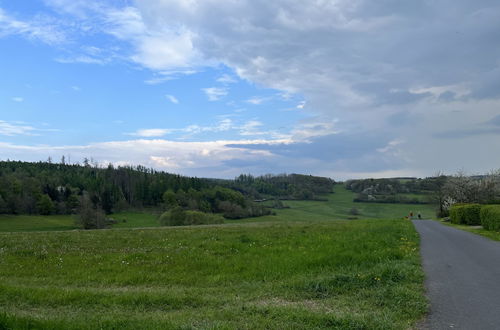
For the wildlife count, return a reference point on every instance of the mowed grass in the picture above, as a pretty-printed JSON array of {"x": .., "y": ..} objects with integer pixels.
[
  {"x": 362, "y": 274},
  {"x": 36, "y": 222}
]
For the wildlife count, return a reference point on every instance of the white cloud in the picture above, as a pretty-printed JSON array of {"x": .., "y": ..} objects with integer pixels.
[
  {"x": 164, "y": 51},
  {"x": 17, "y": 99},
  {"x": 172, "y": 98},
  {"x": 215, "y": 93},
  {"x": 82, "y": 59},
  {"x": 12, "y": 129},
  {"x": 257, "y": 100},
  {"x": 189, "y": 158},
  {"x": 39, "y": 28},
  {"x": 362, "y": 66},
  {"x": 151, "y": 132},
  {"x": 251, "y": 128},
  {"x": 226, "y": 79},
  {"x": 368, "y": 67},
  {"x": 248, "y": 128},
  {"x": 167, "y": 75}
]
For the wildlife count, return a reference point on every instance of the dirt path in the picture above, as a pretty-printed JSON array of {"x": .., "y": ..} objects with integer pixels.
[{"x": 462, "y": 277}]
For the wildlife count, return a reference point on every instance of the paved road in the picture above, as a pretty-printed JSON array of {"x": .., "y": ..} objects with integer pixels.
[{"x": 462, "y": 277}]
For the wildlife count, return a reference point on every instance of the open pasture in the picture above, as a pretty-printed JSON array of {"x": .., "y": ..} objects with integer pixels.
[{"x": 309, "y": 274}]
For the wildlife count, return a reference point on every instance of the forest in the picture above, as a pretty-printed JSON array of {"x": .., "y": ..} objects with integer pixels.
[{"x": 61, "y": 188}]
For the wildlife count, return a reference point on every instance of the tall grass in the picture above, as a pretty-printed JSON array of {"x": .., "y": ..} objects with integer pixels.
[{"x": 292, "y": 274}]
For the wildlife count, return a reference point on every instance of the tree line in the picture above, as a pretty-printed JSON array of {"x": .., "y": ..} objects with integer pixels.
[
  {"x": 442, "y": 190},
  {"x": 61, "y": 188},
  {"x": 282, "y": 186}
]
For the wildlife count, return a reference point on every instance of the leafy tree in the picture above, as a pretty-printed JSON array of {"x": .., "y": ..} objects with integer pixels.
[
  {"x": 45, "y": 205},
  {"x": 170, "y": 199}
]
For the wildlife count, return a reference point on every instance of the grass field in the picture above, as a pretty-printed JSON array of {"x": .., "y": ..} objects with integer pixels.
[
  {"x": 36, "y": 223},
  {"x": 304, "y": 268},
  {"x": 312, "y": 274},
  {"x": 338, "y": 207},
  {"x": 135, "y": 220}
]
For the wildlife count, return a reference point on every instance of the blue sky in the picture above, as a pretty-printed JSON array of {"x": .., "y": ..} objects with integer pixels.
[{"x": 217, "y": 88}]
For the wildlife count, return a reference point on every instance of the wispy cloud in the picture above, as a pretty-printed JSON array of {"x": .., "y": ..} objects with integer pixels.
[
  {"x": 85, "y": 59},
  {"x": 172, "y": 98},
  {"x": 215, "y": 93},
  {"x": 39, "y": 28},
  {"x": 17, "y": 99},
  {"x": 251, "y": 128},
  {"x": 248, "y": 128},
  {"x": 226, "y": 79},
  {"x": 12, "y": 129},
  {"x": 151, "y": 132},
  {"x": 257, "y": 100},
  {"x": 167, "y": 75}
]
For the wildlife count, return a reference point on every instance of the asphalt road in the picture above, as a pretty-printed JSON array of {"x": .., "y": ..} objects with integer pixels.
[{"x": 462, "y": 278}]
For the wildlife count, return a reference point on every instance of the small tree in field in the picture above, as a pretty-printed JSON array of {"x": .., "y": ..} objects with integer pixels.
[
  {"x": 89, "y": 216},
  {"x": 170, "y": 199}
]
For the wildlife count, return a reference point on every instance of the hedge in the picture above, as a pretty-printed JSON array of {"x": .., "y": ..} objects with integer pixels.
[
  {"x": 490, "y": 217},
  {"x": 466, "y": 214}
]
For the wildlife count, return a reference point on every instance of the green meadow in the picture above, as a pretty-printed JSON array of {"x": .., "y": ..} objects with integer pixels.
[
  {"x": 337, "y": 207},
  {"x": 305, "y": 268}
]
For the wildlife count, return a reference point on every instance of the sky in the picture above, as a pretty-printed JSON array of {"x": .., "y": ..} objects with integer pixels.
[{"x": 216, "y": 88}]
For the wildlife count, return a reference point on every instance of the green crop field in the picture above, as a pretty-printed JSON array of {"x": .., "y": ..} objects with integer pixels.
[{"x": 303, "y": 268}]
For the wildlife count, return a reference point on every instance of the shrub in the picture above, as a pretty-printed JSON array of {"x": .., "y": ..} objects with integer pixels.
[
  {"x": 232, "y": 210},
  {"x": 354, "y": 211},
  {"x": 179, "y": 217},
  {"x": 490, "y": 217},
  {"x": 90, "y": 216},
  {"x": 465, "y": 214},
  {"x": 235, "y": 211}
]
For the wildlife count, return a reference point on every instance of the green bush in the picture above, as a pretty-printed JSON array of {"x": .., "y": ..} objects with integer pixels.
[
  {"x": 466, "y": 214},
  {"x": 180, "y": 217},
  {"x": 490, "y": 217}
]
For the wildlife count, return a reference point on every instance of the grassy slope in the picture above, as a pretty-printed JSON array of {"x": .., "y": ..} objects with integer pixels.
[
  {"x": 339, "y": 205},
  {"x": 310, "y": 274}
]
